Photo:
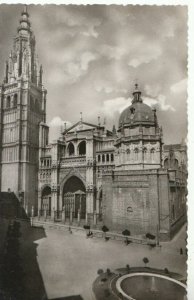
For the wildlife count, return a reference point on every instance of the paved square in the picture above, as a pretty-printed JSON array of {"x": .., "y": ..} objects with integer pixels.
[{"x": 69, "y": 262}]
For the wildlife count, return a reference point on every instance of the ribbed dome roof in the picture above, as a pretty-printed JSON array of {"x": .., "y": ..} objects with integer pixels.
[{"x": 137, "y": 113}]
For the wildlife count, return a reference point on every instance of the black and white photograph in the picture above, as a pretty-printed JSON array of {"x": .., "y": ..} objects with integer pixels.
[{"x": 93, "y": 152}]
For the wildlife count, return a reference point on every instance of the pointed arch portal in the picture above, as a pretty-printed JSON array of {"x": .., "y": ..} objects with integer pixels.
[
  {"x": 46, "y": 199},
  {"x": 74, "y": 197}
]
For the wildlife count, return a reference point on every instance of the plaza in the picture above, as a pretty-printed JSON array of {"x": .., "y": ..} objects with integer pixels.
[{"x": 60, "y": 265}]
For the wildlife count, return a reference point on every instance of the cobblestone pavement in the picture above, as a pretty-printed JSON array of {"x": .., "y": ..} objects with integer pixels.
[{"x": 69, "y": 262}]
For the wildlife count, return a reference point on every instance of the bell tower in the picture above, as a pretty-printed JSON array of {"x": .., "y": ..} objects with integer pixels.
[{"x": 22, "y": 108}]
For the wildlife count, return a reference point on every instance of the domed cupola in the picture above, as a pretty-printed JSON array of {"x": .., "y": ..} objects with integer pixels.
[{"x": 138, "y": 113}]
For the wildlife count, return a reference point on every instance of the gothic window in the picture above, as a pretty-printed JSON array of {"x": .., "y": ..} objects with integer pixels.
[
  {"x": 36, "y": 105},
  {"x": 176, "y": 164},
  {"x": 136, "y": 151},
  {"x": 152, "y": 154},
  {"x": 103, "y": 158},
  {"x": 15, "y": 100},
  {"x": 8, "y": 103},
  {"x": 31, "y": 103},
  {"x": 82, "y": 148},
  {"x": 112, "y": 157},
  {"x": 99, "y": 158},
  {"x": 166, "y": 163},
  {"x": 145, "y": 154},
  {"x": 71, "y": 149},
  {"x": 107, "y": 157}
]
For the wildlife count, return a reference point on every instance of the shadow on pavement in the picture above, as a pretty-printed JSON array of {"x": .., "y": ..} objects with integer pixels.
[{"x": 31, "y": 282}]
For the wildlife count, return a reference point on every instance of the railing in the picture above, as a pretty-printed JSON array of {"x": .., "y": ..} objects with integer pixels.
[
  {"x": 71, "y": 160},
  {"x": 69, "y": 217}
]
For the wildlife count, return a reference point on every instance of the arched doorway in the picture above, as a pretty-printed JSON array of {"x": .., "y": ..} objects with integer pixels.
[
  {"x": 74, "y": 197},
  {"x": 46, "y": 200}
]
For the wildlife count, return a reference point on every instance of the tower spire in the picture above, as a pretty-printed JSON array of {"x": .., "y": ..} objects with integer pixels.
[{"x": 24, "y": 26}]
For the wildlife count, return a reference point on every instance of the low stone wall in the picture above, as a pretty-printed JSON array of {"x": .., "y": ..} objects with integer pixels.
[{"x": 95, "y": 233}]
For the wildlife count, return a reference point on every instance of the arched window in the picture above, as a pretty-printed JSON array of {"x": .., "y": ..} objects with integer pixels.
[
  {"x": 8, "y": 103},
  {"x": 128, "y": 151},
  {"x": 145, "y": 154},
  {"x": 152, "y": 154},
  {"x": 36, "y": 105},
  {"x": 82, "y": 148},
  {"x": 136, "y": 151},
  {"x": 31, "y": 103},
  {"x": 99, "y": 158},
  {"x": 15, "y": 100},
  {"x": 176, "y": 163},
  {"x": 112, "y": 157},
  {"x": 166, "y": 163},
  {"x": 107, "y": 157},
  {"x": 71, "y": 149},
  {"x": 103, "y": 158}
]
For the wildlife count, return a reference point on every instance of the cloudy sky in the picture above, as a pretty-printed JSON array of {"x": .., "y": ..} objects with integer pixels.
[{"x": 93, "y": 55}]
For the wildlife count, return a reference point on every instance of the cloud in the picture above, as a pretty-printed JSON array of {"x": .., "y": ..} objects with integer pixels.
[
  {"x": 57, "y": 126},
  {"x": 58, "y": 122},
  {"x": 77, "y": 68},
  {"x": 112, "y": 52},
  {"x": 179, "y": 87},
  {"x": 108, "y": 87},
  {"x": 152, "y": 90},
  {"x": 116, "y": 105},
  {"x": 159, "y": 102},
  {"x": 144, "y": 55}
]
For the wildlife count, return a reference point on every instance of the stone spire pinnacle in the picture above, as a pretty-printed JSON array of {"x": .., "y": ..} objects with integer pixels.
[
  {"x": 23, "y": 62},
  {"x": 24, "y": 26}
]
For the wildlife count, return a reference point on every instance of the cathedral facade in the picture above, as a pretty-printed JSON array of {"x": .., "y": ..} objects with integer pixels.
[{"x": 125, "y": 178}]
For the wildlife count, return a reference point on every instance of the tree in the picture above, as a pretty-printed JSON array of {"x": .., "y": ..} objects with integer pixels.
[
  {"x": 145, "y": 260},
  {"x": 126, "y": 233},
  {"x": 105, "y": 229}
]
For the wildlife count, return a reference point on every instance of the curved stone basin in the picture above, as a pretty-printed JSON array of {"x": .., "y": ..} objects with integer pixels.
[{"x": 150, "y": 286}]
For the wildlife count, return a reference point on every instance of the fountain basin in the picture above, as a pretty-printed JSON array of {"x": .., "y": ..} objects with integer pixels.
[{"x": 150, "y": 286}]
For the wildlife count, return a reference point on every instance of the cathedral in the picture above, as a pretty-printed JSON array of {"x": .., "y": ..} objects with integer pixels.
[{"x": 126, "y": 178}]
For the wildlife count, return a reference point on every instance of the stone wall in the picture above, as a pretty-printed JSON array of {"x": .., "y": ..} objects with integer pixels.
[{"x": 130, "y": 201}]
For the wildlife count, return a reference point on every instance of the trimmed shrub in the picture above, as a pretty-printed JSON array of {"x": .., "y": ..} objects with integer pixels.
[
  {"x": 145, "y": 260},
  {"x": 108, "y": 272},
  {"x": 166, "y": 271},
  {"x": 100, "y": 271},
  {"x": 150, "y": 236}
]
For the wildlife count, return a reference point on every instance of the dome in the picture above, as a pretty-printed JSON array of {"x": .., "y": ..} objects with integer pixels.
[{"x": 137, "y": 113}]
